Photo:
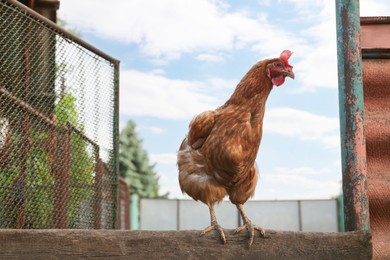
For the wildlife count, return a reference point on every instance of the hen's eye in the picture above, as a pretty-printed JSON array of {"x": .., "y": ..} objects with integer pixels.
[{"x": 278, "y": 64}]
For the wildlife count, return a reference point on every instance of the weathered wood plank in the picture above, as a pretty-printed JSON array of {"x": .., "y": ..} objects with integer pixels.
[{"x": 114, "y": 244}]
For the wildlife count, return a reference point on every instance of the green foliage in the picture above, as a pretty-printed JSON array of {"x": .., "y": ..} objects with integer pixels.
[
  {"x": 82, "y": 165},
  {"x": 36, "y": 189},
  {"x": 134, "y": 164},
  {"x": 65, "y": 110}
]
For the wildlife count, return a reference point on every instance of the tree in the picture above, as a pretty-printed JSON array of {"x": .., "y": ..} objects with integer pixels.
[
  {"x": 134, "y": 165},
  {"x": 82, "y": 165},
  {"x": 35, "y": 191}
]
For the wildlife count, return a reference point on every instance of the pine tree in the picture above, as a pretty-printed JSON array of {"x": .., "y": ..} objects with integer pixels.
[{"x": 134, "y": 165}]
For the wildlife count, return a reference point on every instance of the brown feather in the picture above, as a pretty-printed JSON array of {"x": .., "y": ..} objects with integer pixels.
[{"x": 200, "y": 128}]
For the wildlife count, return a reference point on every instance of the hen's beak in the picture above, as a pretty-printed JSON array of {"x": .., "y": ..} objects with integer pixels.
[{"x": 289, "y": 73}]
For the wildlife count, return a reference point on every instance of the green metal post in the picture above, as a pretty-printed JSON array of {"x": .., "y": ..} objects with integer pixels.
[
  {"x": 353, "y": 146},
  {"x": 134, "y": 212},
  {"x": 340, "y": 206}
]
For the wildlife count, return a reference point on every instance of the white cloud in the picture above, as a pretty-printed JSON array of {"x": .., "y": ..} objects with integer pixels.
[
  {"x": 156, "y": 130},
  {"x": 332, "y": 140},
  {"x": 161, "y": 28},
  {"x": 210, "y": 58},
  {"x": 163, "y": 158},
  {"x": 222, "y": 84},
  {"x": 158, "y": 72},
  {"x": 151, "y": 94},
  {"x": 304, "y": 182},
  {"x": 318, "y": 66},
  {"x": 304, "y": 170},
  {"x": 152, "y": 129},
  {"x": 374, "y": 8},
  {"x": 168, "y": 28},
  {"x": 265, "y": 2},
  {"x": 293, "y": 186},
  {"x": 147, "y": 94},
  {"x": 303, "y": 125}
]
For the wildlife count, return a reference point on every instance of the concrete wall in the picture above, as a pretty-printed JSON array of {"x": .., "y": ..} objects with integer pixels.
[{"x": 293, "y": 215}]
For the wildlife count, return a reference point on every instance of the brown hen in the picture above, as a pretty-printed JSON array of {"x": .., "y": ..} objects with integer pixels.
[{"x": 217, "y": 157}]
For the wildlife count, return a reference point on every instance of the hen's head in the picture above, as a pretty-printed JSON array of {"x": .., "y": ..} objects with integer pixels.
[{"x": 278, "y": 69}]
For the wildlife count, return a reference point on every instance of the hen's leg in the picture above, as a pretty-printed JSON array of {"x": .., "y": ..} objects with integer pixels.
[
  {"x": 214, "y": 225},
  {"x": 248, "y": 226}
]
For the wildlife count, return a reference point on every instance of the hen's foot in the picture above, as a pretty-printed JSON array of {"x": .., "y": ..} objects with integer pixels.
[
  {"x": 251, "y": 228},
  {"x": 217, "y": 228}
]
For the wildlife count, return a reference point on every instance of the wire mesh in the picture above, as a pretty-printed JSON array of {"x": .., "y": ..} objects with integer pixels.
[{"x": 58, "y": 126}]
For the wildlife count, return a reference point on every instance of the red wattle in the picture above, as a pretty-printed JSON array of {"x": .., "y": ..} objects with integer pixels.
[{"x": 277, "y": 81}]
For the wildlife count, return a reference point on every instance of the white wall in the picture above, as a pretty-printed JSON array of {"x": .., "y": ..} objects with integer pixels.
[{"x": 293, "y": 215}]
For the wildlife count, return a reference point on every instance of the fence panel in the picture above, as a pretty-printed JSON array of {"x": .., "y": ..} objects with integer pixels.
[
  {"x": 292, "y": 215},
  {"x": 58, "y": 126},
  {"x": 320, "y": 215},
  {"x": 158, "y": 214}
]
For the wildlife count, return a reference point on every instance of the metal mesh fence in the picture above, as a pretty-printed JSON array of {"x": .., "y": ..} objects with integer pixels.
[{"x": 58, "y": 126}]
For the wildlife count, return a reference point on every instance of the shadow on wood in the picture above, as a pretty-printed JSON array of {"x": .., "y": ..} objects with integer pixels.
[{"x": 115, "y": 244}]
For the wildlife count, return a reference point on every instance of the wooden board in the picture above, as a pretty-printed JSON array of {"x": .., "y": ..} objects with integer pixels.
[{"x": 114, "y": 244}]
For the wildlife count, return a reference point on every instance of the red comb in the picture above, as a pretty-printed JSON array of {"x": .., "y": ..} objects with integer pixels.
[{"x": 284, "y": 56}]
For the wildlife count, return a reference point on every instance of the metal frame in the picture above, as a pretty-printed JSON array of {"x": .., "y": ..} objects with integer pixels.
[
  {"x": 353, "y": 145},
  {"x": 61, "y": 31}
]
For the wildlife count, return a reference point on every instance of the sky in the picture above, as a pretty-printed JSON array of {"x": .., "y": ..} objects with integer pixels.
[{"x": 179, "y": 58}]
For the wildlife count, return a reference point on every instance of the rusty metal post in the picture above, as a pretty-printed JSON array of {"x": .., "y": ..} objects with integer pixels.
[
  {"x": 61, "y": 172},
  {"x": 20, "y": 182},
  {"x": 123, "y": 215},
  {"x": 353, "y": 146},
  {"x": 98, "y": 192}
]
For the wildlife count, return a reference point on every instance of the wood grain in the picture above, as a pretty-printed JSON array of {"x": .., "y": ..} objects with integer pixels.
[{"x": 114, "y": 244}]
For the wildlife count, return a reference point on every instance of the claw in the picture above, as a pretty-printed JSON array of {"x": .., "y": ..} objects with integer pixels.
[
  {"x": 217, "y": 228},
  {"x": 251, "y": 228},
  {"x": 214, "y": 225},
  {"x": 248, "y": 226}
]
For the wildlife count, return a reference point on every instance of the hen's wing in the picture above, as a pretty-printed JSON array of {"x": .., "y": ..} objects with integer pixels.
[
  {"x": 200, "y": 128},
  {"x": 195, "y": 174}
]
